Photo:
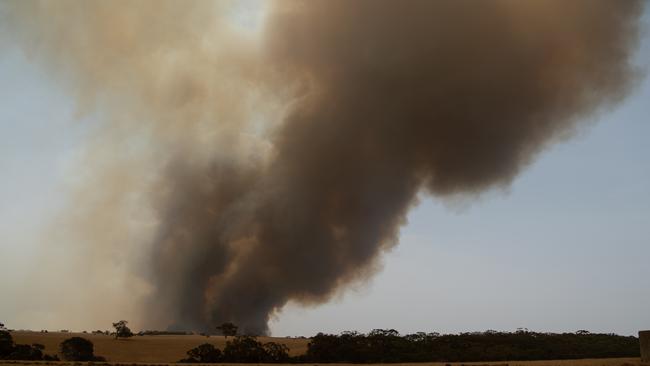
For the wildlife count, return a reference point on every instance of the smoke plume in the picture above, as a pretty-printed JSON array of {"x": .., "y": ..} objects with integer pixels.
[{"x": 277, "y": 166}]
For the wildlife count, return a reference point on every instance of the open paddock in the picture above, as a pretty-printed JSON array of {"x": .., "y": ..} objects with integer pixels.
[{"x": 146, "y": 348}]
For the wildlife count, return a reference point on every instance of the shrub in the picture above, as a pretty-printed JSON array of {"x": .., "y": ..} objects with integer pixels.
[
  {"x": 78, "y": 349},
  {"x": 241, "y": 349},
  {"x": 6, "y": 344},
  {"x": 205, "y": 353},
  {"x": 244, "y": 349},
  {"x": 21, "y": 352},
  {"x": 25, "y": 352},
  {"x": 276, "y": 352}
]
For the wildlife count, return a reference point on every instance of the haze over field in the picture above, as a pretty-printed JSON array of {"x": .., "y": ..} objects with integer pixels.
[{"x": 233, "y": 160}]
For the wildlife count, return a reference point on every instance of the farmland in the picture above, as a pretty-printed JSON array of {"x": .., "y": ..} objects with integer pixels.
[
  {"x": 169, "y": 349},
  {"x": 586, "y": 362},
  {"x": 144, "y": 349}
]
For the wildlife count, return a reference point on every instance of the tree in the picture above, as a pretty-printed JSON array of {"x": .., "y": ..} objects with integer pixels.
[
  {"x": 276, "y": 352},
  {"x": 78, "y": 349},
  {"x": 6, "y": 343},
  {"x": 228, "y": 329},
  {"x": 22, "y": 352},
  {"x": 25, "y": 352},
  {"x": 205, "y": 353},
  {"x": 121, "y": 330},
  {"x": 244, "y": 349}
]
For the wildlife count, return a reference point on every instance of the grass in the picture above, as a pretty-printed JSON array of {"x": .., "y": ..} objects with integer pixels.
[
  {"x": 585, "y": 362},
  {"x": 167, "y": 349},
  {"x": 143, "y": 349}
]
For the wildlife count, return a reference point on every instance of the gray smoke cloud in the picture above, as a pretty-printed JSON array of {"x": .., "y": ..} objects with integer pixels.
[{"x": 285, "y": 164}]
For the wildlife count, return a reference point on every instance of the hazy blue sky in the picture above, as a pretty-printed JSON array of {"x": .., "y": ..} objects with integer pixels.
[{"x": 566, "y": 247}]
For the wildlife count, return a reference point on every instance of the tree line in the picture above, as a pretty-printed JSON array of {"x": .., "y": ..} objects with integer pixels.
[
  {"x": 240, "y": 349},
  {"x": 387, "y": 346},
  {"x": 71, "y": 349},
  {"x": 377, "y": 346}
]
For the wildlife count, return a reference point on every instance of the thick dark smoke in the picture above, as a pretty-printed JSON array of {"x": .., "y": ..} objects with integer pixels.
[
  {"x": 384, "y": 99},
  {"x": 449, "y": 96}
]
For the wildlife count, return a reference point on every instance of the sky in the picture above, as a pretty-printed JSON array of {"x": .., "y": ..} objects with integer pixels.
[{"x": 565, "y": 247}]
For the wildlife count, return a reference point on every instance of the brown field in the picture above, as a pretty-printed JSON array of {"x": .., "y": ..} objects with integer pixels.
[
  {"x": 585, "y": 362},
  {"x": 166, "y": 349},
  {"x": 144, "y": 349}
]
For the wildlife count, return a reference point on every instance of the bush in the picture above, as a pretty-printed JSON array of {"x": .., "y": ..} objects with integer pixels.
[
  {"x": 21, "y": 352},
  {"x": 276, "y": 352},
  {"x": 244, "y": 349},
  {"x": 205, "y": 353},
  {"x": 26, "y": 352},
  {"x": 6, "y": 344},
  {"x": 78, "y": 349}
]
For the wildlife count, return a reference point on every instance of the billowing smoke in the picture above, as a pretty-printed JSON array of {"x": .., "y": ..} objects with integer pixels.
[{"x": 279, "y": 166}]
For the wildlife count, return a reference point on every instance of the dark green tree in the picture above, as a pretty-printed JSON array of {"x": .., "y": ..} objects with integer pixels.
[
  {"x": 386, "y": 346},
  {"x": 25, "y": 352},
  {"x": 6, "y": 343},
  {"x": 205, "y": 353},
  {"x": 228, "y": 329},
  {"x": 244, "y": 349},
  {"x": 78, "y": 349},
  {"x": 276, "y": 352},
  {"x": 122, "y": 330}
]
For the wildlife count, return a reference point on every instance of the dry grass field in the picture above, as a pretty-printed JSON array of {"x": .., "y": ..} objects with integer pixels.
[
  {"x": 167, "y": 349},
  {"x": 144, "y": 349},
  {"x": 586, "y": 362}
]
